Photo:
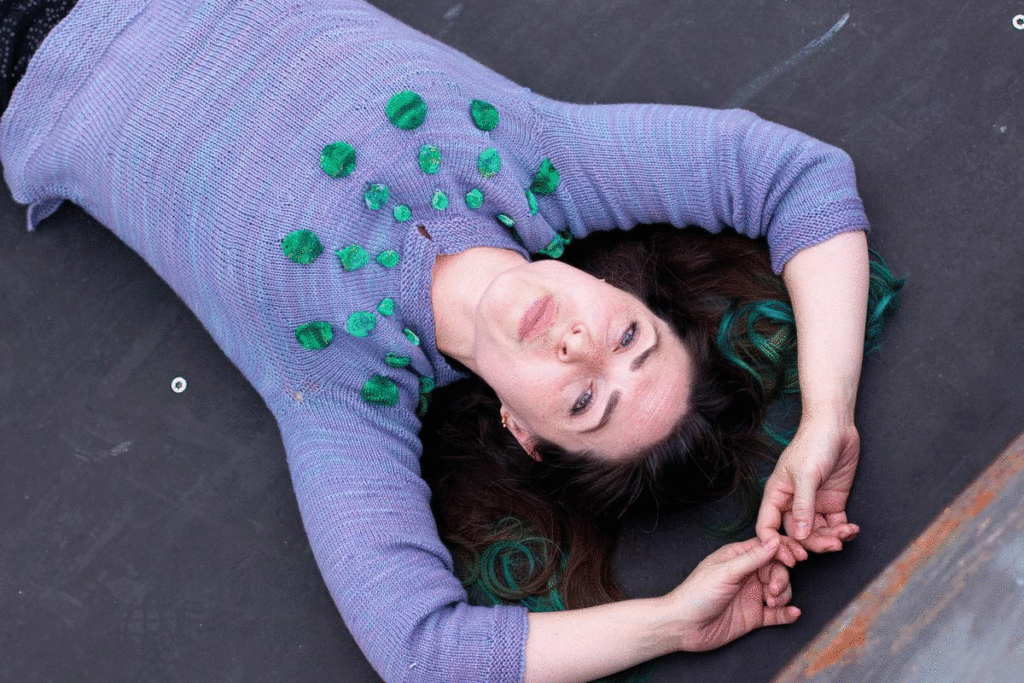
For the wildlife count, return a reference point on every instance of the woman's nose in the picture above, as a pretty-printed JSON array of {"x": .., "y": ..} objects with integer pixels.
[{"x": 576, "y": 345}]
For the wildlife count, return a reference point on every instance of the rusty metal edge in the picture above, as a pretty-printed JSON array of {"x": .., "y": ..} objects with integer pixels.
[{"x": 846, "y": 634}]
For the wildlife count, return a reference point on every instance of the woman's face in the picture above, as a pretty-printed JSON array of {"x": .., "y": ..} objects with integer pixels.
[{"x": 579, "y": 362}]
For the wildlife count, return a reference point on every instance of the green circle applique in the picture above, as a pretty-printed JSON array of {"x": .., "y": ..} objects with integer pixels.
[
  {"x": 439, "y": 201},
  {"x": 424, "y": 405},
  {"x": 379, "y": 390},
  {"x": 302, "y": 246},
  {"x": 489, "y": 162},
  {"x": 430, "y": 159},
  {"x": 426, "y": 386},
  {"x": 406, "y": 110},
  {"x": 531, "y": 200},
  {"x": 376, "y": 196},
  {"x": 361, "y": 323},
  {"x": 402, "y": 213},
  {"x": 546, "y": 180},
  {"x": 485, "y": 116},
  {"x": 315, "y": 335},
  {"x": 397, "y": 361},
  {"x": 411, "y": 336},
  {"x": 353, "y": 257},
  {"x": 338, "y": 159},
  {"x": 388, "y": 258},
  {"x": 556, "y": 247},
  {"x": 386, "y": 306},
  {"x": 506, "y": 220},
  {"x": 474, "y": 198}
]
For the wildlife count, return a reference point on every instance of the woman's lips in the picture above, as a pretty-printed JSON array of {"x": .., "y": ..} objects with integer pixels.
[{"x": 538, "y": 318}]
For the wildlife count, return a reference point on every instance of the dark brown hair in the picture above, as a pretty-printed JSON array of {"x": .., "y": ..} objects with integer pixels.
[{"x": 543, "y": 532}]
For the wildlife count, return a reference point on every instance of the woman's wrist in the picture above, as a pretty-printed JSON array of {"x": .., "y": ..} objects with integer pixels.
[
  {"x": 837, "y": 411},
  {"x": 584, "y": 644}
]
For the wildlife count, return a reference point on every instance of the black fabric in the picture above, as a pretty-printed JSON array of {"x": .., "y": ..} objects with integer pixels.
[{"x": 24, "y": 25}]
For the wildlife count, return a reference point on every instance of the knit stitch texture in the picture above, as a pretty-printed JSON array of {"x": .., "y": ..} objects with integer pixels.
[{"x": 196, "y": 133}]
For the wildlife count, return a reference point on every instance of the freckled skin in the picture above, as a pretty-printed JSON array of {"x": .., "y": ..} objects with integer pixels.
[{"x": 580, "y": 355}]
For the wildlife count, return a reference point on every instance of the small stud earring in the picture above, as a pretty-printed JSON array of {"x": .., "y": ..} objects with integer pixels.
[{"x": 504, "y": 420}]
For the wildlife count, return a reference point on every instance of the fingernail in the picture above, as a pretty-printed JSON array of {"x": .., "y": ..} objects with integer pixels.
[{"x": 802, "y": 529}]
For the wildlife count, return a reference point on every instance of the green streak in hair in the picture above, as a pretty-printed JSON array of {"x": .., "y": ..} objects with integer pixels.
[{"x": 760, "y": 338}]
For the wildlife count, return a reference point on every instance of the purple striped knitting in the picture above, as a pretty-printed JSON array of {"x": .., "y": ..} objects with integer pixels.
[{"x": 195, "y": 133}]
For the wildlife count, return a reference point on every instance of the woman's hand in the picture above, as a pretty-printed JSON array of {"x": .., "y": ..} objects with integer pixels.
[
  {"x": 736, "y": 589},
  {"x": 806, "y": 494}
]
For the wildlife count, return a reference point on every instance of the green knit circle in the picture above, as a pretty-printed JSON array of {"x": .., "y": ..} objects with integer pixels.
[
  {"x": 386, "y": 306},
  {"x": 376, "y": 196},
  {"x": 426, "y": 385},
  {"x": 474, "y": 198},
  {"x": 411, "y": 336},
  {"x": 439, "y": 200},
  {"x": 506, "y": 220},
  {"x": 302, "y": 246},
  {"x": 314, "y": 335},
  {"x": 555, "y": 247},
  {"x": 531, "y": 200},
  {"x": 430, "y": 159},
  {"x": 379, "y": 390},
  {"x": 406, "y": 110},
  {"x": 546, "y": 180},
  {"x": 361, "y": 323},
  {"x": 338, "y": 159},
  {"x": 485, "y": 116},
  {"x": 489, "y": 162},
  {"x": 402, "y": 213},
  {"x": 396, "y": 361},
  {"x": 424, "y": 405},
  {"x": 388, "y": 258},
  {"x": 353, "y": 257}
]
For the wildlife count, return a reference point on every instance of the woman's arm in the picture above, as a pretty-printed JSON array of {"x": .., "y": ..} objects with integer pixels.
[
  {"x": 807, "y": 492},
  {"x": 623, "y": 165},
  {"x": 367, "y": 515},
  {"x": 732, "y": 592}
]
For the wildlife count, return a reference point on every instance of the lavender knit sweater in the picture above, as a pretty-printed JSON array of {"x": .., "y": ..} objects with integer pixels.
[{"x": 204, "y": 137}]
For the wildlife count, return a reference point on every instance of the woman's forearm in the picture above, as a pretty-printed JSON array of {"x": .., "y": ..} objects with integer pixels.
[
  {"x": 828, "y": 285},
  {"x": 585, "y": 644}
]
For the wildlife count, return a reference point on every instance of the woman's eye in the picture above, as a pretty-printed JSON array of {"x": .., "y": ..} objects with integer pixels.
[
  {"x": 582, "y": 402},
  {"x": 628, "y": 336}
]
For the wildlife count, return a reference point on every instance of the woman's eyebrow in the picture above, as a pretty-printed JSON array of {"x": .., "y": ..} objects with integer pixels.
[
  {"x": 613, "y": 400},
  {"x": 639, "y": 361}
]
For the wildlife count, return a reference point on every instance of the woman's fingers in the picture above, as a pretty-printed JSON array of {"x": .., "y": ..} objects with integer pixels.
[
  {"x": 775, "y": 501},
  {"x": 777, "y": 591},
  {"x": 828, "y": 533},
  {"x": 780, "y": 600},
  {"x": 778, "y": 616},
  {"x": 803, "y": 507},
  {"x": 778, "y": 578},
  {"x": 750, "y": 556}
]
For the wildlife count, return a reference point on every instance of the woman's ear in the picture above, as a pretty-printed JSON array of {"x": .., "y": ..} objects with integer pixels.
[{"x": 522, "y": 435}]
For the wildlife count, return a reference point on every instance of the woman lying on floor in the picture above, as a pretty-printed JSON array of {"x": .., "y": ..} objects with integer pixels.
[{"x": 359, "y": 214}]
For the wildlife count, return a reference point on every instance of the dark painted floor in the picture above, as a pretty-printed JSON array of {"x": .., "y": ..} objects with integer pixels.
[{"x": 153, "y": 536}]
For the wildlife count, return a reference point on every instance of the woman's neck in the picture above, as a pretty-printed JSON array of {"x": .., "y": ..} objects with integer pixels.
[{"x": 458, "y": 281}]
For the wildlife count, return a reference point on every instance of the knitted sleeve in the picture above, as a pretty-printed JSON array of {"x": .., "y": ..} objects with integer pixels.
[
  {"x": 620, "y": 165},
  {"x": 367, "y": 514}
]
